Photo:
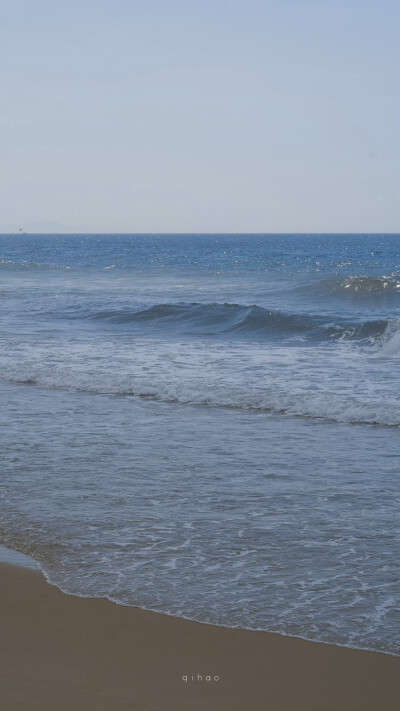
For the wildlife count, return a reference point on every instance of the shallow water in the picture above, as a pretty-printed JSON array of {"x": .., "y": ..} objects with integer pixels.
[{"x": 208, "y": 425}]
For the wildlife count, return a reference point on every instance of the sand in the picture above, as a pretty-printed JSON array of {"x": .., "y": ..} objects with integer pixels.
[{"x": 64, "y": 653}]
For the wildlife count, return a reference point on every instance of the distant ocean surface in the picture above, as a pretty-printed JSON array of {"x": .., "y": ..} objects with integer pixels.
[{"x": 208, "y": 425}]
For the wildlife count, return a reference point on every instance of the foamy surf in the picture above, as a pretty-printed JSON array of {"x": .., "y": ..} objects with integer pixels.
[
  {"x": 389, "y": 342},
  {"x": 168, "y": 382}
]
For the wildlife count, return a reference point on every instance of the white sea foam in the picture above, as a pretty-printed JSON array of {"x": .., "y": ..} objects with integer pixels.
[
  {"x": 389, "y": 342},
  {"x": 298, "y": 381}
]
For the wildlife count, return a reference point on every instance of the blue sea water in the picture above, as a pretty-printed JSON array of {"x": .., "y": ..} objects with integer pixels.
[{"x": 208, "y": 425}]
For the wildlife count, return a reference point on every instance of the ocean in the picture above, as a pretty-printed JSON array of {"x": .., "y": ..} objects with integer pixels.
[{"x": 208, "y": 425}]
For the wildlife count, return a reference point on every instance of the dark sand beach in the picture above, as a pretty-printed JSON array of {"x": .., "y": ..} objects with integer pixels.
[{"x": 64, "y": 653}]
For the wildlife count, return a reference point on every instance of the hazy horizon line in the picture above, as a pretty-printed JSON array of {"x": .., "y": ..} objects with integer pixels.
[{"x": 194, "y": 234}]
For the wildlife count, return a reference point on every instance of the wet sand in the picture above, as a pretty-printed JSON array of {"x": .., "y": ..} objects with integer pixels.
[{"x": 64, "y": 653}]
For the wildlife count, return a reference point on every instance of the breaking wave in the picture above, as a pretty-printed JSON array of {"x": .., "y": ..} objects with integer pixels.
[
  {"x": 323, "y": 405},
  {"x": 354, "y": 287},
  {"x": 235, "y": 319},
  {"x": 252, "y": 391},
  {"x": 389, "y": 342}
]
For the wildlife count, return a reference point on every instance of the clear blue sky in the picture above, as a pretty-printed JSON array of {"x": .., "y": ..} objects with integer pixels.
[{"x": 258, "y": 116}]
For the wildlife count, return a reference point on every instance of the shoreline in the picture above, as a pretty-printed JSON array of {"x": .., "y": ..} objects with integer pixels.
[
  {"x": 11, "y": 556},
  {"x": 68, "y": 652}
]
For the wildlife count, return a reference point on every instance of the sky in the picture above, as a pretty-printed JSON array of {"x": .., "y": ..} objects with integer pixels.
[{"x": 212, "y": 116}]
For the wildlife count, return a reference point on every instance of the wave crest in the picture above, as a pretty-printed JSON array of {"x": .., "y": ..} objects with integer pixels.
[
  {"x": 235, "y": 319},
  {"x": 389, "y": 341},
  {"x": 354, "y": 287}
]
